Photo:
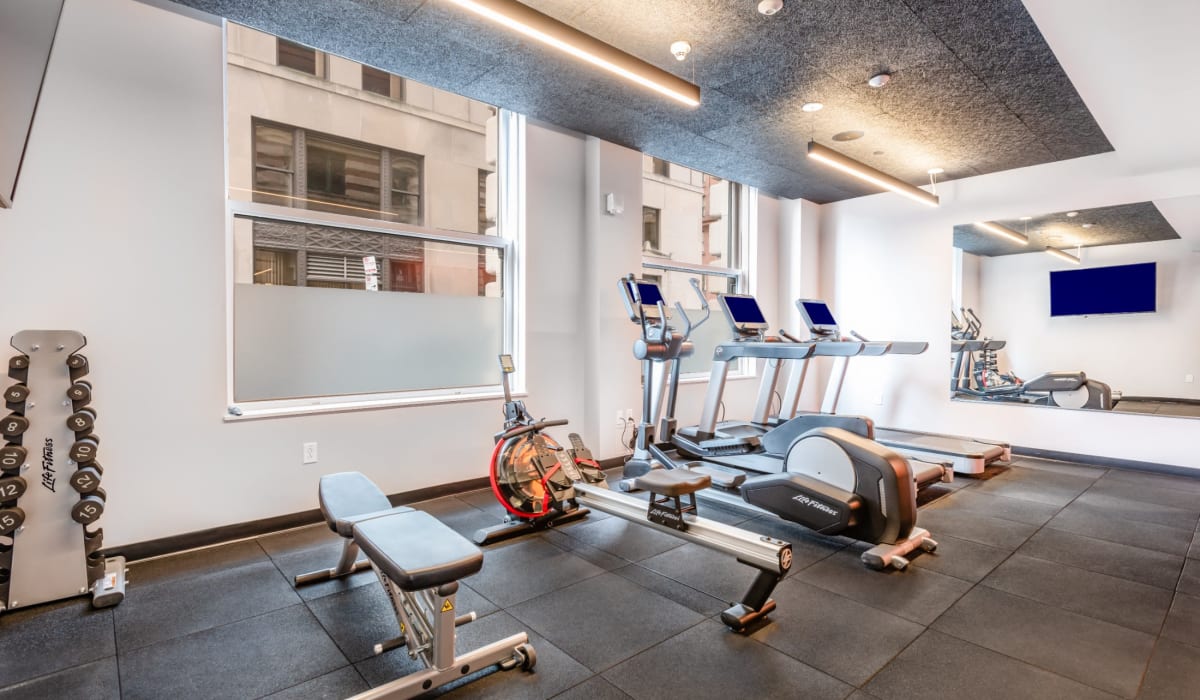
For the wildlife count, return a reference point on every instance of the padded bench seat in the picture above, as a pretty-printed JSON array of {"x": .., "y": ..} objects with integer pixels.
[
  {"x": 349, "y": 498},
  {"x": 672, "y": 482},
  {"x": 416, "y": 550}
]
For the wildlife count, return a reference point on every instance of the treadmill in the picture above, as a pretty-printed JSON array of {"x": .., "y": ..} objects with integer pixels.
[
  {"x": 965, "y": 454},
  {"x": 761, "y": 443}
]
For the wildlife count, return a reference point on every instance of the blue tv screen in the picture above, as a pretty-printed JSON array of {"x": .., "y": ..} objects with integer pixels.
[{"x": 1122, "y": 289}]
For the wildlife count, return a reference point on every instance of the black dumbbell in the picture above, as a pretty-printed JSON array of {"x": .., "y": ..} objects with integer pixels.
[
  {"x": 84, "y": 449},
  {"x": 12, "y": 457},
  {"x": 14, "y": 425},
  {"x": 78, "y": 365},
  {"x": 93, "y": 541},
  {"x": 89, "y": 508},
  {"x": 5, "y": 575},
  {"x": 11, "y": 518},
  {"x": 95, "y": 567},
  {"x": 82, "y": 420},
  {"x": 12, "y": 487},
  {"x": 80, "y": 393},
  {"x": 18, "y": 367},
  {"x": 17, "y": 393},
  {"x": 86, "y": 479}
]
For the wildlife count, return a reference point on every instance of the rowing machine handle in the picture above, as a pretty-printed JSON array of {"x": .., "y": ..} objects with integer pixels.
[{"x": 534, "y": 427}]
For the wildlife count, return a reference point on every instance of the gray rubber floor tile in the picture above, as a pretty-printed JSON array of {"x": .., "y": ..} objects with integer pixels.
[
  {"x": 808, "y": 548},
  {"x": 714, "y": 573},
  {"x": 1147, "y": 494},
  {"x": 964, "y": 559},
  {"x": 1174, "y": 672},
  {"x": 941, "y": 667},
  {"x": 605, "y": 560},
  {"x": 298, "y": 540},
  {"x": 604, "y": 620},
  {"x": 1090, "y": 521},
  {"x": 178, "y": 567},
  {"x": 322, "y": 556},
  {"x": 1131, "y": 509},
  {"x": 671, "y": 589},
  {"x": 359, "y": 619},
  {"x": 594, "y": 688},
  {"x": 335, "y": 685},
  {"x": 1132, "y": 563},
  {"x": 516, "y": 571},
  {"x": 97, "y": 680},
  {"x": 994, "y": 532},
  {"x": 709, "y": 661},
  {"x": 1093, "y": 652},
  {"x": 981, "y": 504},
  {"x": 915, "y": 594},
  {"x": 48, "y": 638},
  {"x": 1169, "y": 482},
  {"x": 1189, "y": 580},
  {"x": 554, "y": 673},
  {"x": 1050, "y": 465},
  {"x": 1047, "y": 487},
  {"x": 484, "y": 500},
  {"x": 1194, "y": 550},
  {"x": 1183, "y": 621},
  {"x": 175, "y": 608},
  {"x": 625, "y": 539},
  {"x": 245, "y": 659},
  {"x": 846, "y": 639},
  {"x": 1117, "y": 600}
]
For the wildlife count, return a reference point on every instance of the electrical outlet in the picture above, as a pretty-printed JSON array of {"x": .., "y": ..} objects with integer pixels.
[
  {"x": 310, "y": 453},
  {"x": 620, "y": 418},
  {"x": 1188, "y": 379},
  {"x": 628, "y": 414},
  {"x": 878, "y": 399}
]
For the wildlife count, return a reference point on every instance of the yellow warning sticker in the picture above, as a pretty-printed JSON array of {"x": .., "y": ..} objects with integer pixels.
[{"x": 447, "y": 606}]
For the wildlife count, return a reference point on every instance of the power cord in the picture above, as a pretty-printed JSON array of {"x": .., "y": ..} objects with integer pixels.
[{"x": 628, "y": 443}]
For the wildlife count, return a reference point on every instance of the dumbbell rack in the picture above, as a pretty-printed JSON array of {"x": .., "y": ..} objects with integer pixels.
[{"x": 50, "y": 546}]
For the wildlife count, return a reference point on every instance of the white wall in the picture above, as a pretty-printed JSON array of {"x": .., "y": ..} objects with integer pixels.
[
  {"x": 886, "y": 267},
  {"x": 120, "y": 233},
  {"x": 1137, "y": 354}
]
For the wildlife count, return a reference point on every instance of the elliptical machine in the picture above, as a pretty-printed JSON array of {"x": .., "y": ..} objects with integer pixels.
[{"x": 828, "y": 479}]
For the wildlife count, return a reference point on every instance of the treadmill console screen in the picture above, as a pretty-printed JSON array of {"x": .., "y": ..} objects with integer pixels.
[
  {"x": 743, "y": 312},
  {"x": 818, "y": 313}
]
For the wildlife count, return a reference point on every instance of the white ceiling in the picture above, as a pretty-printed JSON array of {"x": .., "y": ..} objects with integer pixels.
[{"x": 1133, "y": 62}]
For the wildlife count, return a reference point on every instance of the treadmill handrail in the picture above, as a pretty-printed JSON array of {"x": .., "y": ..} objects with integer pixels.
[{"x": 728, "y": 352}]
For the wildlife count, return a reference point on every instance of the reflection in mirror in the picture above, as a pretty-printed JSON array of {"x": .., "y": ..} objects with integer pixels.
[{"x": 1092, "y": 309}]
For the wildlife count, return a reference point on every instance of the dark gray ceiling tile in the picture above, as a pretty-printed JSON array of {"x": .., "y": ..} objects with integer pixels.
[
  {"x": 1116, "y": 225},
  {"x": 975, "y": 87}
]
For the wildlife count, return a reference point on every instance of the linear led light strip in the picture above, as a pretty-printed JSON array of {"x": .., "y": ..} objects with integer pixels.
[
  {"x": 848, "y": 165},
  {"x": 569, "y": 40},
  {"x": 1063, "y": 255},
  {"x": 1001, "y": 231}
]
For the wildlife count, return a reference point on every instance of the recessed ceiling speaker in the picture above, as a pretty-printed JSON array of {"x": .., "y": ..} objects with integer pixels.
[
  {"x": 770, "y": 7},
  {"x": 849, "y": 135}
]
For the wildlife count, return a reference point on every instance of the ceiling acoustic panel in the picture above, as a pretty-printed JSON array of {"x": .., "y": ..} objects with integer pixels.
[
  {"x": 1116, "y": 225},
  {"x": 975, "y": 89}
]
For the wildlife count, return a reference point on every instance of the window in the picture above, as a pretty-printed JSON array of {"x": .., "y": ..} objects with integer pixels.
[
  {"x": 660, "y": 167},
  {"x": 696, "y": 225},
  {"x": 299, "y": 57},
  {"x": 650, "y": 217},
  {"x": 358, "y": 226},
  {"x": 340, "y": 176},
  {"x": 382, "y": 83}
]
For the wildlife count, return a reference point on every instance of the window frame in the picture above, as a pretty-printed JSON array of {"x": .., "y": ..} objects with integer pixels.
[
  {"x": 745, "y": 220},
  {"x": 509, "y": 239}
]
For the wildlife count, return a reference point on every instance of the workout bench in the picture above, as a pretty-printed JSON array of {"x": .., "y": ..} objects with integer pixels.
[{"x": 419, "y": 561}]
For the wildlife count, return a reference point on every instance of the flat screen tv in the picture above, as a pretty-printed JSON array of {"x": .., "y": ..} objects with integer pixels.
[{"x": 1121, "y": 289}]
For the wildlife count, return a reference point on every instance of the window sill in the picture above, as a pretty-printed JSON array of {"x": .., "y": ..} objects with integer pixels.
[
  {"x": 271, "y": 409},
  {"x": 703, "y": 379}
]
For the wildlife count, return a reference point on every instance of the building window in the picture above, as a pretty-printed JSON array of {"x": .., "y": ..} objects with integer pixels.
[
  {"x": 660, "y": 167},
  {"x": 695, "y": 225},
  {"x": 340, "y": 176},
  {"x": 299, "y": 57},
  {"x": 382, "y": 83},
  {"x": 358, "y": 226},
  {"x": 650, "y": 217}
]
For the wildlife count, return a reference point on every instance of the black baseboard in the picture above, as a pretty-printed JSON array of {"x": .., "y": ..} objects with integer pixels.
[
  {"x": 1110, "y": 462},
  {"x": 256, "y": 528}
]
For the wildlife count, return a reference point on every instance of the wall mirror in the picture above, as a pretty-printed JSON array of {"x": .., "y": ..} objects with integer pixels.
[{"x": 1094, "y": 309}]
